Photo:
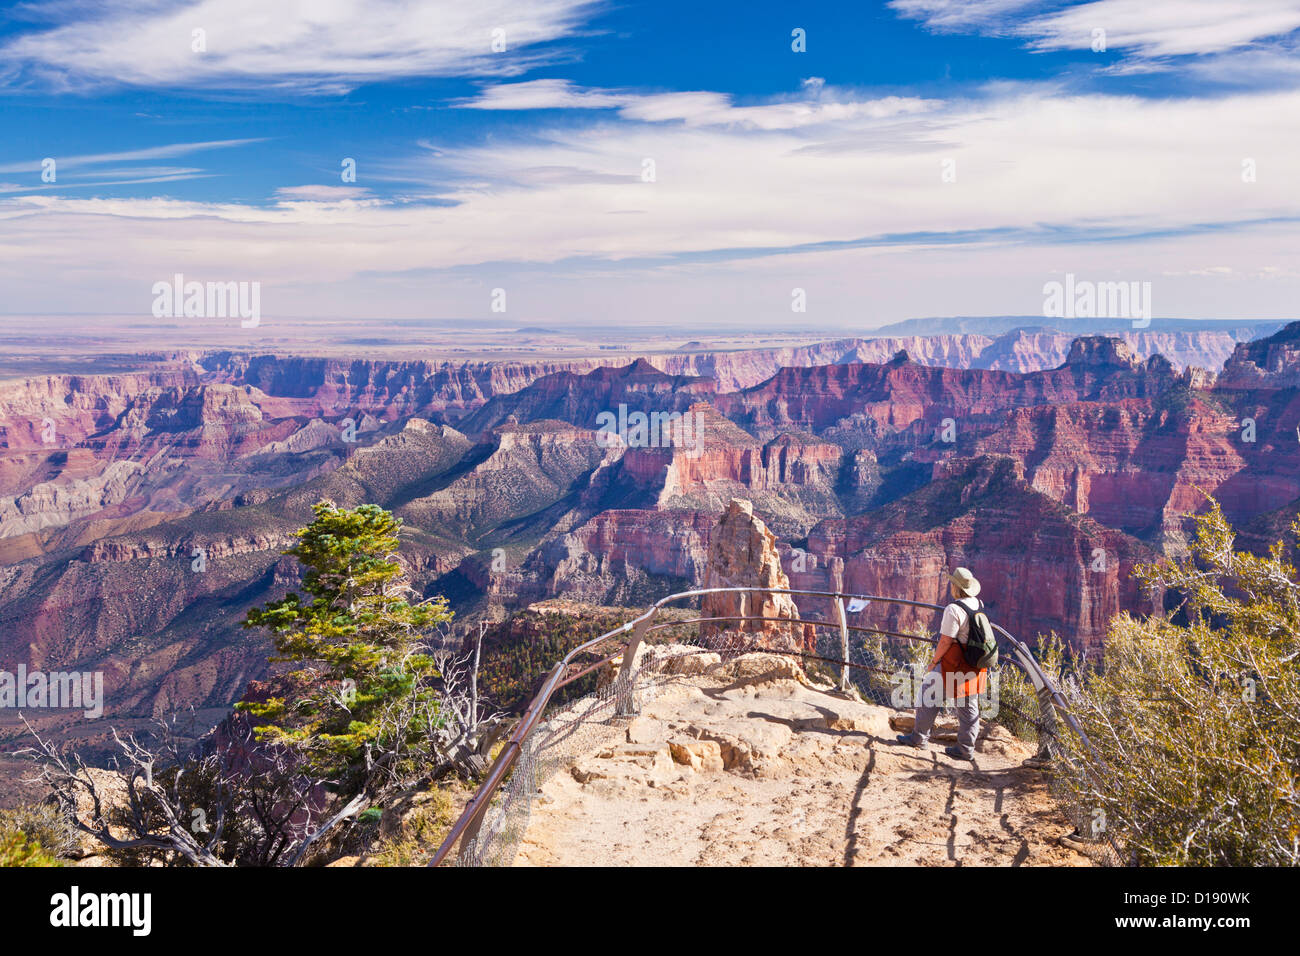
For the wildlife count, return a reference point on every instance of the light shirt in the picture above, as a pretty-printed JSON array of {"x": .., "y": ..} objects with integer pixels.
[{"x": 956, "y": 624}]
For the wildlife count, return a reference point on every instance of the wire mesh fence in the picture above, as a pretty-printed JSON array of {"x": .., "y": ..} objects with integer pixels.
[{"x": 879, "y": 659}]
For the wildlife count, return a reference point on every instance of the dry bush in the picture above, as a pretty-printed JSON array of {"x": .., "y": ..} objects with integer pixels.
[{"x": 43, "y": 824}]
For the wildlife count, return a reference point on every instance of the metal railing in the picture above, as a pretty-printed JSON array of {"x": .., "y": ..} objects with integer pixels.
[{"x": 519, "y": 755}]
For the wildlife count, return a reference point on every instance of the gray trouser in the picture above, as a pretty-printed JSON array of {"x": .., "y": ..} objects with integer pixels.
[{"x": 968, "y": 714}]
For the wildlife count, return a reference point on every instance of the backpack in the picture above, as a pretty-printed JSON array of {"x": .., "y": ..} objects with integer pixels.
[{"x": 981, "y": 647}]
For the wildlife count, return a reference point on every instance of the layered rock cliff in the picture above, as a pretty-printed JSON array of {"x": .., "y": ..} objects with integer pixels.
[
  {"x": 1272, "y": 362},
  {"x": 876, "y": 477},
  {"x": 1043, "y": 567},
  {"x": 743, "y": 554}
]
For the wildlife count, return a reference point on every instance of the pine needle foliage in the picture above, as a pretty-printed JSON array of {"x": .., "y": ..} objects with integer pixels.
[{"x": 354, "y": 638}]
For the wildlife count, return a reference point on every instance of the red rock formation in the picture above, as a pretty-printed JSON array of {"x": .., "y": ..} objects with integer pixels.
[
  {"x": 743, "y": 553},
  {"x": 316, "y": 385},
  {"x": 900, "y": 393},
  {"x": 1049, "y": 469},
  {"x": 1043, "y": 568},
  {"x": 582, "y": 399},
  {"x": 76, "y": 405},
  {"x": 626, "y": 556},
  {"x": 1271, "y": 363},
  {"x": 792, "y": 477}
]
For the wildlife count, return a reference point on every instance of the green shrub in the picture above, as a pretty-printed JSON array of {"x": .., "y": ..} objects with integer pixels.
[
  {"x": 1195, "y": 715},
  {"x": 421, "y": 831},
  {"x": 40, "y": 823},
  {"x": 17, "y": 850}
]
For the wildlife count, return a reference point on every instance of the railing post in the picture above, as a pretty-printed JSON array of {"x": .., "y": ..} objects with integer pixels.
[
  {"x": 843, "y": 620},
  {"x": 624, "y": 704}
]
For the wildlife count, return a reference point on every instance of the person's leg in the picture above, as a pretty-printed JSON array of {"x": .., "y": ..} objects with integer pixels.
[
  {"x": 968, "y": 724},
  {"x": 928, "y": 706}
]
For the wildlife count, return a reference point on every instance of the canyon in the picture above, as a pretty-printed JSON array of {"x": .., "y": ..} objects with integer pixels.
[{"x": 143, "y": 512}]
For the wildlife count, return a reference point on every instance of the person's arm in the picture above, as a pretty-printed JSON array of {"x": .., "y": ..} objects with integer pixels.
[
  {"x": 940, "y": 649},
  {"x": 948, "y": 629}
]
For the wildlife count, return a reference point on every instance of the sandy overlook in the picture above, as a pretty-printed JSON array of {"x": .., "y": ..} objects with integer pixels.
[{"x": 747, "y": 764}]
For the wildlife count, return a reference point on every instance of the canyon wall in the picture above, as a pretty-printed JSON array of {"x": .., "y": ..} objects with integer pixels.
[{"x": 874, "y": 476}]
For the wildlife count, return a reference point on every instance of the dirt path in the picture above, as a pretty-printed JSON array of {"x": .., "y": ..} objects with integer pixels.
[{"x": 771, "y": 772}]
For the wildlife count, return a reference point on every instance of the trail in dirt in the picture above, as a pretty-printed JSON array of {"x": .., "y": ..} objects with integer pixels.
[{"x": 777, "y": 773}]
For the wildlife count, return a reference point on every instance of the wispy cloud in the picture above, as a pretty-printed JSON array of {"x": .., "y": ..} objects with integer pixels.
[
  {"x": 285, "y": 44},
  {"x": 168, "y": 151},
  {"x": 133, "y": 178},
  {"x": 954, "y": 15},
  {"x": 698, "y": 108},
  {"x": 1041, "y": 167},
  {"x": 1163, "y": 28},
  {"x": 318, "y": 193},
  {"x": 1147, "y": 30},
  {"x": 90, "y": 170}
]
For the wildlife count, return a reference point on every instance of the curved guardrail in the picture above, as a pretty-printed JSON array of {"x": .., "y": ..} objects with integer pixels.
[{"x": 467, "y": 830}]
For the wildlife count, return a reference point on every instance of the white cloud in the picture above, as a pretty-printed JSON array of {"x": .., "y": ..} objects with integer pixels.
[
  {"x": 728, "y": 200},
  {"x": 1160, "y": 28},
  {"x": 1147, "y": 29},
  {"x": 697, "y": 108},
  {"x": 542, "y": 95},
  {"x": 318, "y": 193},
  {"x": 299, "y": 45},
  {"x": 168, "y": 151}
]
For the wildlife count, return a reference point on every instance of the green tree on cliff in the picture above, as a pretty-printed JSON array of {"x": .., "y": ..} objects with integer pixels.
[
  {"x": 365, "y": 713},
  {"x": 360, "y": 680},
  {"x": 1195, "y": 715}
]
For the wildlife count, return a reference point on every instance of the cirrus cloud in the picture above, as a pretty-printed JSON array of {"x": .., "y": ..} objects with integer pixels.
[
  {"x": 1147, "y": 29},
  {"x": 698, "y": 108},
  {"x": 326, "y": 46}
]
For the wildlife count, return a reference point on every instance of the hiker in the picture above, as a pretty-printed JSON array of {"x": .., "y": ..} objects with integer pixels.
[{"x": 950, "y": 676}]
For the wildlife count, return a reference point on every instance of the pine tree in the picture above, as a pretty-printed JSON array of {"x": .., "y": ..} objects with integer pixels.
[{"x": 355, "y": 639}]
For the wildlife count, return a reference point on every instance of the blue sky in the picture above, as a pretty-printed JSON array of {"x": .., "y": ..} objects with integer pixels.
[{"x": 921, "y": 157}]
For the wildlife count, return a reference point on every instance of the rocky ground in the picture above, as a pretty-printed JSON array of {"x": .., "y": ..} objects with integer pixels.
[{"x": 750, "y": 765}]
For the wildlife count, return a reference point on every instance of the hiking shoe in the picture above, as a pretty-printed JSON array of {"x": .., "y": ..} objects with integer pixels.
[
  {"x": 909, "y": 741},
  {"x": 1078, "y": 842},
  {"x": 1037, "y": 762},
  {"x": 956, "y": 754}
]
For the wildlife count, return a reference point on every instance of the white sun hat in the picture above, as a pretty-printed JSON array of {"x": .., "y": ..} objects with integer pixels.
[{"x": 966, "y": 582}]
